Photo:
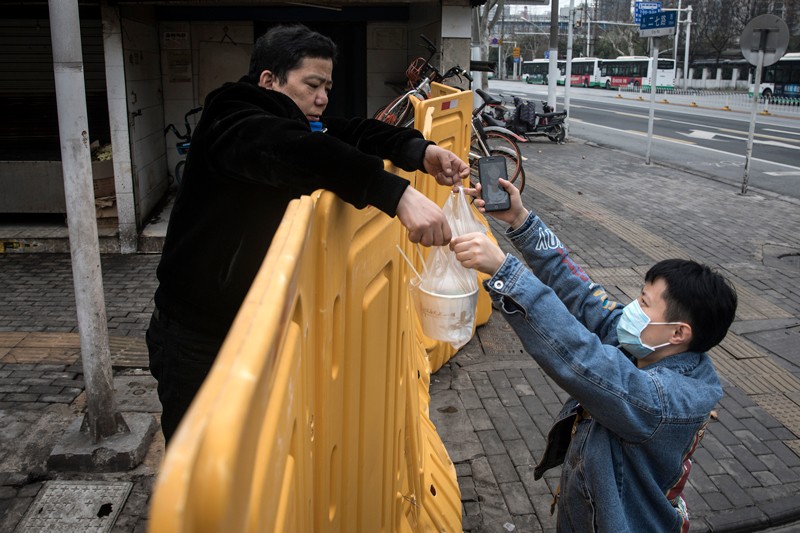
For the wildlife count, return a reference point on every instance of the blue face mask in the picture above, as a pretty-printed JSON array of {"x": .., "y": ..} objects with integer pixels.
[{"x": 630, "y": 327}]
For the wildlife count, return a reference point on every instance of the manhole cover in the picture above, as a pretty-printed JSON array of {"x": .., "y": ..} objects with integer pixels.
[{"x": 71, "y": 506}]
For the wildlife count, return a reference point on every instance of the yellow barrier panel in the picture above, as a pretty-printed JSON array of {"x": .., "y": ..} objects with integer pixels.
[
  {"x": 310, "y": 419},
  {"x": 315, "y": 414}
]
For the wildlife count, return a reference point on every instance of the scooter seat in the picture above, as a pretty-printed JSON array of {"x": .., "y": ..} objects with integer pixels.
[
  {"x": 552, "y": 115},
  {"x": 488, "y": 98}
]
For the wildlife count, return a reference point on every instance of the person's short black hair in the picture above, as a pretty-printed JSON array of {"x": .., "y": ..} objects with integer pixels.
[
  {"x": 699, "y": 296},
  {"x": 282, "y": 49}
]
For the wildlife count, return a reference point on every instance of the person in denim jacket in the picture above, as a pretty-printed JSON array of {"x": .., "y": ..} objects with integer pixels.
[{"x": 641, "y": 385}]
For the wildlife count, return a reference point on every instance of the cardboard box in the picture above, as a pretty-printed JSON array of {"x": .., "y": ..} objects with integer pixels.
[{"x": 103, "y": 178}]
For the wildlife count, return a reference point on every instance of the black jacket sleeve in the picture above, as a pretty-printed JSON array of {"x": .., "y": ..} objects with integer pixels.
[
  {"x": 404, "y": 147},
  {"x": 261, "y": 136}
]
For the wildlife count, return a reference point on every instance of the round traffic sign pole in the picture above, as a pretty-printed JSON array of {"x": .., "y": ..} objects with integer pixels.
[
  {"x": 751, "y": 132},
  {"x": 763, "y": 42},
  {"x": 768, "y": 33}
]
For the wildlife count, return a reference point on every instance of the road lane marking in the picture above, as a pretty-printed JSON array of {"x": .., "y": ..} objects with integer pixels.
[
  {"x": 637, "y": 115},
  {"x": 698, "y": 146},
  {"x": 784, "y": 173},
  {"x": 783, "y": 131},
  {"x": 773, "y": 137},
  {"x": 697, "y": 125},
  {"x": 643, "y": 134},
  {"x": 712, "y": 136}
]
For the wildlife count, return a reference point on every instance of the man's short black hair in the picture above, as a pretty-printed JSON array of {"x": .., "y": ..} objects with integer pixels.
[
  {"x": 698, "y": 295},
  {"x": 282, "y": 49}
]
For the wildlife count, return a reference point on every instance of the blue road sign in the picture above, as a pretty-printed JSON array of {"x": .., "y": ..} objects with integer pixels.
[
  {"x": 658, "y": 24},
  {"x": 641, "y": 8}
]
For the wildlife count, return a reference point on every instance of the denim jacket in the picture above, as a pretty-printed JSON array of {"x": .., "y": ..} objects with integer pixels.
[{"x": 626, "y": 436}]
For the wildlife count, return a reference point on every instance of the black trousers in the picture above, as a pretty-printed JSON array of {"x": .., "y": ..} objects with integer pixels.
[{"x": 180, "y": 359}]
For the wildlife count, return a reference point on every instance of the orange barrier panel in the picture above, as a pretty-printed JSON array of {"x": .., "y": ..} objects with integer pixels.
[{"x": 315, "y": 414}]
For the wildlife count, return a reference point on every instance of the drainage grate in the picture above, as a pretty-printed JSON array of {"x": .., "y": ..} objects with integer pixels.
[{"x": 71, "y": 506}]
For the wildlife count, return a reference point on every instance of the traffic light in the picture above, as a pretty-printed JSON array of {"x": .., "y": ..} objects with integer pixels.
[{"x": 578, "y": 23}]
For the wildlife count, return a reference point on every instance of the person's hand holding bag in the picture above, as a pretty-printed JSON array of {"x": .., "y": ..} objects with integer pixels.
[
  {"x": 444, "y": 166},
  {"x": 478, "y": 251}
]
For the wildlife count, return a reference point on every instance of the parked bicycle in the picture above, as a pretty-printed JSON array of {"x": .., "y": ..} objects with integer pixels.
[
  {"x": 419, "y": 74},
  {"x": 185, "y": 141},
  {"x": 485, "y": 141}
]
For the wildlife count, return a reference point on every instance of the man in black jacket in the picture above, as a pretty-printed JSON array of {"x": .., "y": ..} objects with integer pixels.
[{"x": 259, "y": 145}]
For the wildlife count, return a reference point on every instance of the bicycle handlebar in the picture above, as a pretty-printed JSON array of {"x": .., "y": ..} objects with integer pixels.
[
  {"x": 431, "y": 46},
  {"x": 188, "y": 135},
  {"x": 436, "y": 75}
]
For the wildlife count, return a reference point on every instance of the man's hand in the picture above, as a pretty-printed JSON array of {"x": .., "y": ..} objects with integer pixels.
[
  {"x": 514, "y": 216},
  {"x": 476, "y": 250},
  {"x": 423, "y": 218},
  {"x": 444, "y": 165}
]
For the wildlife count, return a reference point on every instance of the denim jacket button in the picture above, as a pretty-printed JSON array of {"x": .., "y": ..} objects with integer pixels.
[{"x": 498, "y": 285}]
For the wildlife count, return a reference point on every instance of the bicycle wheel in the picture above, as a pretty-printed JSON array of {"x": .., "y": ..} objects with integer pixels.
[
  {"x": 179, "y": 171},
  {"x": 396, "y": 112},
  {"x": 558, "y": 134},
  {"x": 498, "y": 144}
]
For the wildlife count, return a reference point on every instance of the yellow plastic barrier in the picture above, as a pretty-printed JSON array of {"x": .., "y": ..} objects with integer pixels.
[{"x": 315, "y": 414}]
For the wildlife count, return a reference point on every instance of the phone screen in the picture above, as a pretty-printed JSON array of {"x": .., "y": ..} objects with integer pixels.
[{"x": 490, "y": 170}]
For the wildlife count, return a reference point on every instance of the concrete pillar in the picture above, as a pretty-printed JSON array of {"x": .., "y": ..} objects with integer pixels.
[
  {"x": 456, "y": 35},
  {"x": 102, "y": 419},
  {"x": 120, "y": 138}
]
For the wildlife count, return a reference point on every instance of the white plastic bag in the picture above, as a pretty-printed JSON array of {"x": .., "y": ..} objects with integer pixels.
[{"x": 446, "y": 294}]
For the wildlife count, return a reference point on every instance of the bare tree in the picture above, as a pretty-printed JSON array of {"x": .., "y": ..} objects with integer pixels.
[
  {"x": 618, "y": 41},
  {"x": 792, "y": 19},
  {"x": 487, "y": 16},
  {"x": 717, "y": 26}
]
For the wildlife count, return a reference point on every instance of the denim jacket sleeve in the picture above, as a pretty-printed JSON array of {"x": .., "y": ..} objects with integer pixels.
[{"x": 568, "y": 325}]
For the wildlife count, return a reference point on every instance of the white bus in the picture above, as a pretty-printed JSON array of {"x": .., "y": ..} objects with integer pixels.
[
  {"x": 585, "y": 72},
  {"x": 635, "y": 71},
  {"x": 781, "y": 79},
  {"x": 537, "y": 71}
]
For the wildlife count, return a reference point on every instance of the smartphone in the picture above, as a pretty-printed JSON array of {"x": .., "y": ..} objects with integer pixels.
[{"x": 490, "y": 170}]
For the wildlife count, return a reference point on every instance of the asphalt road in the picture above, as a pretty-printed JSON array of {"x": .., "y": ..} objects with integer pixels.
[{"x": 705, "y": 140}]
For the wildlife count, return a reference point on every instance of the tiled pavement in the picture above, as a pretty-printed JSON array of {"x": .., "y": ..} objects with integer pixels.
[
  {"x": 41, "y": 378},
  {"x": 491, "y": 403}
]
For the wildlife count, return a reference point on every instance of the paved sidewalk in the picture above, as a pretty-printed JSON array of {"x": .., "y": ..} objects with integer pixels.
[
  {"x": 42, "y": 392},
  {"x": 491, "y": 402}
]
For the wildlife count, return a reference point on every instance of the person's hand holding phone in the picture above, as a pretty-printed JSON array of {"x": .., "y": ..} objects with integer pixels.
[{"x": 514, "y": 215}]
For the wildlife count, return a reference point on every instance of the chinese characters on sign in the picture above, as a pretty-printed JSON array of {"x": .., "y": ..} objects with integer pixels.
[
  {"x": 643, "y": 8},
  {"x": 658, "y": 24}
]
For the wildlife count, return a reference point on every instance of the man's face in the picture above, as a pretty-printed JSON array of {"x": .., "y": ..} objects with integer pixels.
[
  {"x": 307, "y": 85},
  {"x": 653, "y": 304}
]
